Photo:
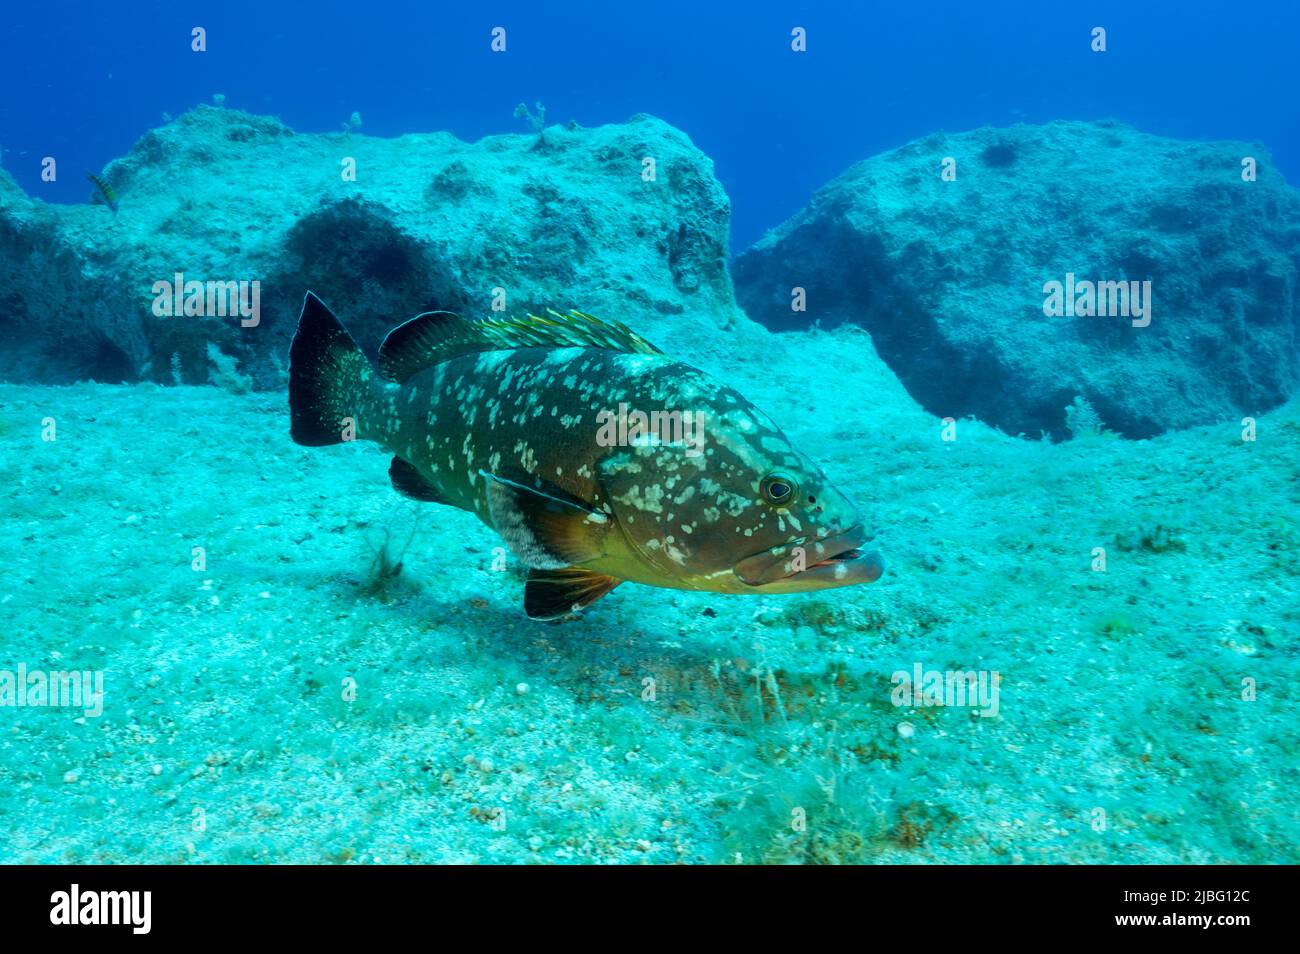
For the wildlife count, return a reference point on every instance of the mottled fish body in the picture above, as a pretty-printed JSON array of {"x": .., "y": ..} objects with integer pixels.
[{"x": 525, "y": 423}]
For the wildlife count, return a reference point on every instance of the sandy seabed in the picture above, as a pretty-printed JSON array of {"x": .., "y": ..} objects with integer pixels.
[{"x": 291, "y": 702}]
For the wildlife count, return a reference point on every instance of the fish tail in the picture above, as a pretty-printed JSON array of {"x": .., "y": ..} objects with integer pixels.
[{"x": 332, "y": 386}]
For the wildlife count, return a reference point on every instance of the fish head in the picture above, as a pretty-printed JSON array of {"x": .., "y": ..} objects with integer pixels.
[{"x": 745, "y": 513}]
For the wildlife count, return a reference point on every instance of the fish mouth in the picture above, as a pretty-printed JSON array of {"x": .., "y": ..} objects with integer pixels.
[{"x": 831, "y": 561}]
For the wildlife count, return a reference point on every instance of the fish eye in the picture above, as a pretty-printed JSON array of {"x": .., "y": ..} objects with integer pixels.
[{"x": 777, "y": 488}]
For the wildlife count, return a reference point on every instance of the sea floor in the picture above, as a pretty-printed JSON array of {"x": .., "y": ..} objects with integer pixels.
[{"x": 291, "y": 701}]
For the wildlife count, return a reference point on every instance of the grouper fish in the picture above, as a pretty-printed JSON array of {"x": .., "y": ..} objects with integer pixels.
[{"x": 597, "y": 458}]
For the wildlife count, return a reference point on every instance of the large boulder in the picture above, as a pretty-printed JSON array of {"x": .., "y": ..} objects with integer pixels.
[
  {"x": 949, "y": 276},
  {"x": 564, "y": 219}
]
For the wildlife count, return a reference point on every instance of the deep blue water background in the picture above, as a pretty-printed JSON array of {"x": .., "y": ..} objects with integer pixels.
[{"x": 82, "y": 81}]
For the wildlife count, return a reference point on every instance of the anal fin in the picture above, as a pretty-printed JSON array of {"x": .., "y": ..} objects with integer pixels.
[
  {"x": 551, "y": 594},
  {"x": 409, "y": 482}
]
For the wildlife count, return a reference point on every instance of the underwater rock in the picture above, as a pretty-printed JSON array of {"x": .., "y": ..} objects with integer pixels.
[
  {"x": 950, "y": 276},
  {"x": 427, "y": 222}
]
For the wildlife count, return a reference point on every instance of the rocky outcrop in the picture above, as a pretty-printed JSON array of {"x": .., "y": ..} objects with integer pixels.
[
  {"x": 949, "y": 276},
  {"x": 571, "y": 219}
]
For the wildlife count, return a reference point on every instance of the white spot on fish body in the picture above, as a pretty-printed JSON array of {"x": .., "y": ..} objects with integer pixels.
[
  {"x": 636, "y": 363},
  {"x": 674, "y": 554},
  {"x": 491, "y": 360},
  {"x": 649, "y": 500},
  {"x": 563, "y": 356}
]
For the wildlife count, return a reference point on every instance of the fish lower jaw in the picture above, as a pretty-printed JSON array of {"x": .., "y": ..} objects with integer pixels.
[
  {"x": 848, "y": 568},
  {"x": 846, "y": 556},
  {"x": 833, "y": 561}
]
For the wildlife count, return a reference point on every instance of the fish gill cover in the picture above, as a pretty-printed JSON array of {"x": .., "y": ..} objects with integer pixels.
[{"x": 1018, "y": 350}]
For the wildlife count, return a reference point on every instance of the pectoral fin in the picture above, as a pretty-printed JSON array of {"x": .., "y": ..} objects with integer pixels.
[
  {"x": 550, "y": 594},
  {"x": 544, "y": 526}
]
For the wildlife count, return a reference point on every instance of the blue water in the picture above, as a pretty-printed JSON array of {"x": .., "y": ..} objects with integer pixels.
[
  {"x": 1097, "y": 518},
  {"x": 83, "y": 80}
]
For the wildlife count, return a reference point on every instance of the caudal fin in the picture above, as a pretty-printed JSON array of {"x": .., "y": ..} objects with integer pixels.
[{"x": 331, "y": 382}]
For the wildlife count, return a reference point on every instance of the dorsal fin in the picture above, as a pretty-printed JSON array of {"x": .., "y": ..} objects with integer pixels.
[
  {"x": 436, "y": 336},
  {"x": 426, "y": 340},
  {"x": 575, "y": 329}
]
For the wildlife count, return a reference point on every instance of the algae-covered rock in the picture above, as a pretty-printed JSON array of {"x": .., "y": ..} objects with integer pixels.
[
  {"x": 949, "y": 274},
  {"x": 427, "y": 222}
]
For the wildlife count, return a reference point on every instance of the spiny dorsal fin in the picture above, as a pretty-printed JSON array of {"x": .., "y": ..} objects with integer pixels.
[
  {"x": 575, "y": 329},
  {"x": 437, "y": 336}
]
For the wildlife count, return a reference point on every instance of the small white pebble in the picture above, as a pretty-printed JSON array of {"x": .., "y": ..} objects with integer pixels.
[
  {"x": 71, "y": 776},
  {"x": 156, "y": 770},
  {"x": 521, "y": 689},
  {"x": 485, "y": 765},
  {"x": 905, "y": 730}
]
